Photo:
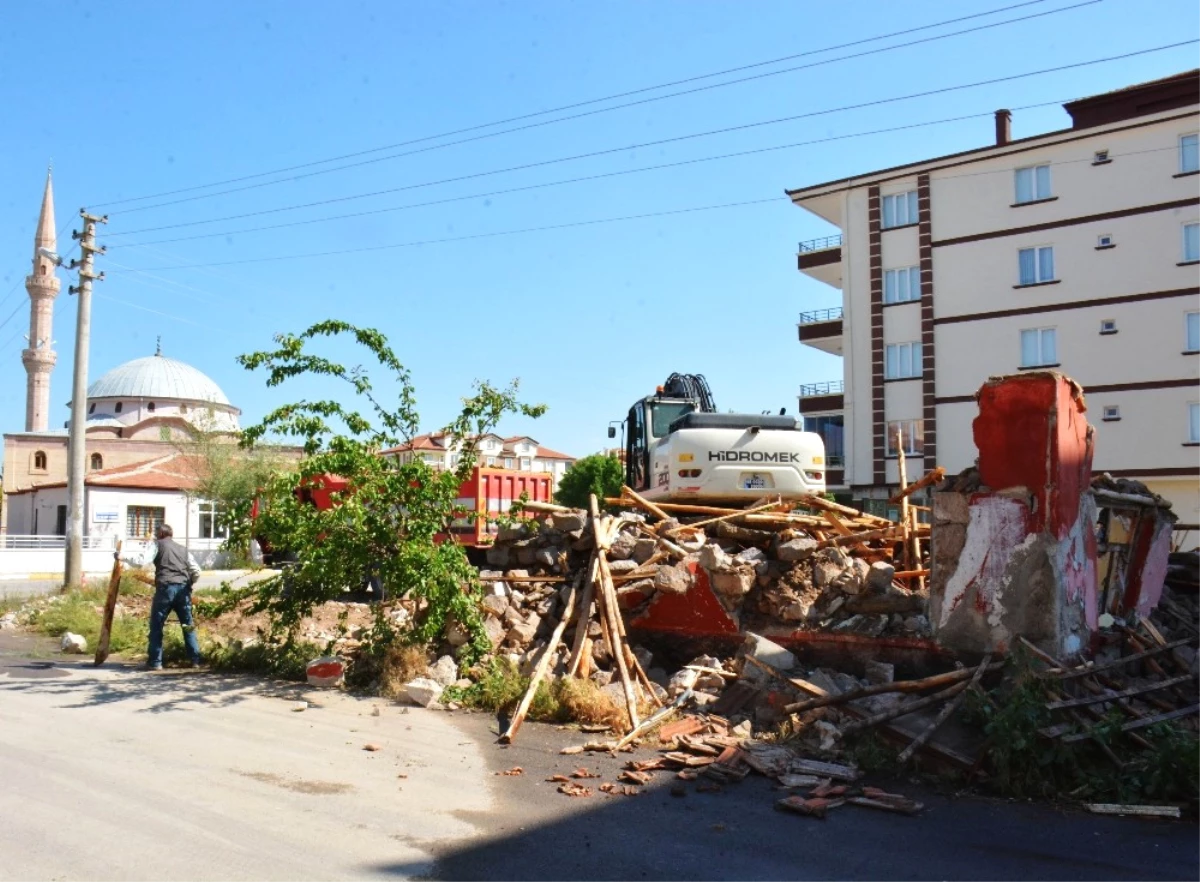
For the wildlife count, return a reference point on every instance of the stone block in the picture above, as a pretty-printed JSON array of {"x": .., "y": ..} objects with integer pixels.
[
  {"x": 499, "y": 556},
  {"x": 735, "y": 583},
  {"x": 673, "y": 580},
  {"x": 424, "y": 691},
  {"x": 443, "y": 671},
  {"x": 714, "y": 559},
  {"x": 880, "y": 576},
  {"x": 567, "y": 522},
  {"x": 643, "y": 549},
  {"x": 797, "y": 549}
]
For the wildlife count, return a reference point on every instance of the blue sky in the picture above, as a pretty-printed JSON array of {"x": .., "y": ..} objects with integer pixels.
[{"x": 130, "y": 99}]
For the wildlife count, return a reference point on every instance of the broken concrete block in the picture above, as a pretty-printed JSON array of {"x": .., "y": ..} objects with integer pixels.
[
  {"x": 681, "y": 681},
  {"x": 523, "y": 632},
  {"x": 735, "y": 583},
  {"x": 548, "y": 557},
  {"x": 768, "y": 652},
  {"x": 714, "y": 559},
  {"x": 525, "y": 552},
  {"x": 495, "y": 630},
  {"x": 325, "y": 672},
  {"x": 751, "y": 555},
  {"x": 673, "y": 580},
  {"x": 424, "y": 692},
  {"x": 878, "y": 673},
  {"x": 798, "y": 549},
  {"x": 73, "y": 643},
  {"x": 498, "y": 556},
  {"x": 444, "y": 671},
  {"x": 617, "y": 567},
  {"x": 643, "y": 550},
  {"x": 456, "y": 634},
  {"x": 567, "y": 522},
  {"x": 796, "y": 611},
  {"x": 8, "y": 621},
  {"x": 494, "y": 605},
  {"x": 622, "y": 547},
  {"x": 880, "y": 576},
  {"x": 512, "y": 532},
  {"x": 517, "y": 575},
  {"x": 825, "y": 573}
]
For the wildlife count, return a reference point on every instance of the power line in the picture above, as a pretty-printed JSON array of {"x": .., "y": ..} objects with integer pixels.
[
  {"x": 605, "y": 110},
  {"x": 576, "y": 180},
  {"x": 606, "y": 220},
  {"x": 875, "y": 103},
  {"x": 577, "y": 104}
]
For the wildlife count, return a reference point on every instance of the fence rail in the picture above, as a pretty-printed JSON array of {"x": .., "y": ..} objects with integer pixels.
[
  {"x": 17, "y": 541},
  {"x": 821, "y": 244},
  {"x": 812, "y": 317},
  {"x": 829, "y": 387}
]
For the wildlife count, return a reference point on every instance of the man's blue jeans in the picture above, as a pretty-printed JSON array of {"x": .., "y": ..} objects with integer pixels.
[{"x": 166, "y": 599}]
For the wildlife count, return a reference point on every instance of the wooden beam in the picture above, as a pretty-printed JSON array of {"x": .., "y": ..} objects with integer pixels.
[{"x": 929, "y": 478}]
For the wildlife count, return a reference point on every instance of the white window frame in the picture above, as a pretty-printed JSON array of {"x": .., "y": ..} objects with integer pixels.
[
  {"x": 1104, "y": 240},
  {"x": 1189, "y": 159},
  {"x": 902, "y": 285},
  {"x": 1038, "y": 182},
  {"x": 211, "y": 513},
  {"x": 1111, "y": 412},
  {"x": 914, "y": 438},
  {"x": 1043, "y": 360},
  {"x": 1193, "y": 253},
  {"x": 902, "y": 361},
  {"x": 1040, "y": 276},
  {"x": 1193, "y": 422},
  {"x": 1191, "y": 331},
  {"x": 1108, "y": 326},
  {"x": 902, "y": 209}
]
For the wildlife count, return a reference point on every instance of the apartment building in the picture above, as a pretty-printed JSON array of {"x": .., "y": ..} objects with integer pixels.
[
  {"x": 518, "y": 453},
  {"x": 1077, "y": 250}
]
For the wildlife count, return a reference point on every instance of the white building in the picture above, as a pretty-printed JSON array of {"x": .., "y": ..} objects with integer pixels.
[
  {"x": 519, "y": 453},
  {"x": 1075, "y": 250}
]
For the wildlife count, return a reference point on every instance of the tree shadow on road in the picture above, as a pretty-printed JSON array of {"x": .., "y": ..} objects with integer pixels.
[{"x": 81, "y": 685}]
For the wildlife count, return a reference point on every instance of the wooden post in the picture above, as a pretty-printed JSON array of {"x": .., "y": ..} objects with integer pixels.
[
  {"x": 110, "y": 608},
  {"x": 585, "y": 617},
  {"x": 902, "y": 468}
]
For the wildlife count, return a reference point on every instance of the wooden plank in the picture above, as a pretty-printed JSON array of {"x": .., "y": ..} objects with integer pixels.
[
  {"x": 1116, "y": 696},
  {"x": 1117, "y": 663},
  {"x": 944, "y": 714},
  {"x": 1142, "y": 723},
  {"x": 646, "y": 504},
  {"x": 584, "y": 618},
  {"x": 1145, "y": 811},
  {"x": 930, "y": 478},
  {"x": 110, "y": 608}
]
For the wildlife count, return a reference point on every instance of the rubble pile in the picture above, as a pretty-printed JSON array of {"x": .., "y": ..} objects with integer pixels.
[{"x": 771, "y": 570}]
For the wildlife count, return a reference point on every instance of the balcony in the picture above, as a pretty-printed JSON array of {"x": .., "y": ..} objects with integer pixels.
[
  {"x": 822, "y": 329},
  {"x": 822, "y": 259},
  {"x": 822, "y": 397}
]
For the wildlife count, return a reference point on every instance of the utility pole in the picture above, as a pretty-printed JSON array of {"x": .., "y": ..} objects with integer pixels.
[{"x": 77, "y": 437}]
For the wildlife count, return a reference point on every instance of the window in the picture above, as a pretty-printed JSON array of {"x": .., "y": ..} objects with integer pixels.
[
  {"x": 39, "y": 461},
  {"x": 525, "y": 465},
  {"x": 1191, "y": 332},
  {"x": 508, "y": 463},
  {"x": 1189, "y": 154},
  {"x": 903, "y": 360},
  {"x": 832, "y": 431},
  {"x": 1194, "y": 423},
  {"x": 92, "y": 408},
  {"x": 1112, "y": 413},
  {"x": 913, "y": 432},
  {"x": 212, "y": 521},
  {"x": 491, "y": 460},
  {"x": 1035, "y": 265},
  {"x": 1108, "y": 326},
  {"x": 97, "y": 462},
  {"x": 1191, "y": 242},
  {"x": 900, "y": 210},
  {"x": 1100, "y": 157},
  {"x": 117, "y": 409},
  {"x": 150, "y": 407},
  {"x": 1033, "y": 183},
  {"x": 902, "y": 285},
  {"x": 1104, "y": 241},
  {"x": 142, "y": 520},
  {"x": 1039, "y": 347}
]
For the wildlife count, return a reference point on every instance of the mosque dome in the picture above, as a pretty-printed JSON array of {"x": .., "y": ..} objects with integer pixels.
[{"x": 158, "y": 377}]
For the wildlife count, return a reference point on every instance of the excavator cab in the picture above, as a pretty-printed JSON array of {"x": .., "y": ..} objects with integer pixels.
[{"x": 648, "y": 421}]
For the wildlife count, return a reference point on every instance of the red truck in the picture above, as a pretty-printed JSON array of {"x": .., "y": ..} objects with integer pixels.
[{"x": 487, "y": 494}]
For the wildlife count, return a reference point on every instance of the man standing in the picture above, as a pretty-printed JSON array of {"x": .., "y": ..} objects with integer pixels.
[{"x": 175, "y": 572}]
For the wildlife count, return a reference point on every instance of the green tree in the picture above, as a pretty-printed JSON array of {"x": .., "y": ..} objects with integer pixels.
[
  {"x": 387, "y": 520},
  {"x": 599, "y": 473}
]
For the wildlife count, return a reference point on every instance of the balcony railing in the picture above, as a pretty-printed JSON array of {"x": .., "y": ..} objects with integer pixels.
[
  {"x": 44, "y": 542},
  {"x": 829, "y": 387},
  {"x": 822, "y": 244},
  {"x": 821, "y": 315}
]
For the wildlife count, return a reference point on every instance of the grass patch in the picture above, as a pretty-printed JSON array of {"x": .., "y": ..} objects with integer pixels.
[
  {"x": 500, "y": 687},
  {"x": 81, "y": 611}
]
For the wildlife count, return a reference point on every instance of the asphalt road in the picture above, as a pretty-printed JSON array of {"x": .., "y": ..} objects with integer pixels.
[{"x": 115, "y": 773}]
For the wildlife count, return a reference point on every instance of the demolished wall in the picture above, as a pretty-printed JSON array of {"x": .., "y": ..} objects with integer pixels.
[{"x": 1013, "y": 547}]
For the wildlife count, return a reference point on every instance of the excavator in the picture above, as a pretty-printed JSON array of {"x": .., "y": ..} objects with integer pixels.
[{"x": 678, "y": 448}]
